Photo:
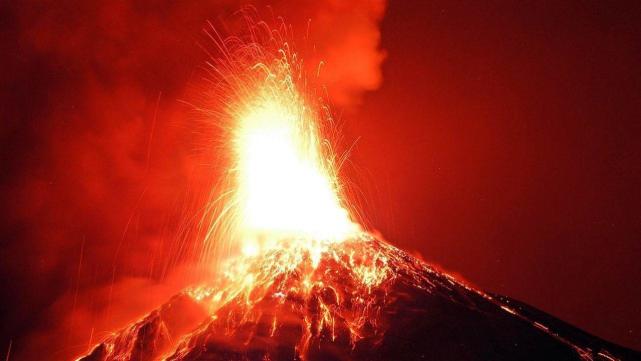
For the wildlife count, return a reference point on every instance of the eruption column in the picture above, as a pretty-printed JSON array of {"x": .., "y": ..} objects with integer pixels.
[{"x": 282, "y": 173}]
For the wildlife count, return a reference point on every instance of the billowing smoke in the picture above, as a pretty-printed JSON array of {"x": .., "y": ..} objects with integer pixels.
[{"x": 100, "y": 159}]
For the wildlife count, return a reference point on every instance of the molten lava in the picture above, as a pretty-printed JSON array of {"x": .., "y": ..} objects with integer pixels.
[
  {"x": 282, "y": 183},
  {"x": 284, "y": 187}
]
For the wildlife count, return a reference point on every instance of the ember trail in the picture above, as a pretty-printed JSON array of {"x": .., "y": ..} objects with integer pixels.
[{"x": 282, "y": 183}]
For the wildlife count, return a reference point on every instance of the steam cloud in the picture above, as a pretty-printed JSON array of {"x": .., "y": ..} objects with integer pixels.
[{"x": 98, "y": 152}]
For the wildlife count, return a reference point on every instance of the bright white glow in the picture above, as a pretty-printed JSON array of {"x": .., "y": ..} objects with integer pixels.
[{"x": 284, "y": 187}]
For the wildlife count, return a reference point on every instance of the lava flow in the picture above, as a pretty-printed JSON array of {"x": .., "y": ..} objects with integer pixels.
[{"x": 305, "y": 281}]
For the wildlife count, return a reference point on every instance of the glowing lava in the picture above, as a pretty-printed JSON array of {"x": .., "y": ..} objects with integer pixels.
[
  {"x": 282, "y": 181},
  {"x": 285, "y": 186}
]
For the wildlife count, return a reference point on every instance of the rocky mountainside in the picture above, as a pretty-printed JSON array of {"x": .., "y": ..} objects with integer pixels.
[{"x": 361, "y": 299}]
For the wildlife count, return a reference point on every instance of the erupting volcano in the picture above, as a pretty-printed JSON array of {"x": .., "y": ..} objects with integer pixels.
[{"x": 295, "y": 275}]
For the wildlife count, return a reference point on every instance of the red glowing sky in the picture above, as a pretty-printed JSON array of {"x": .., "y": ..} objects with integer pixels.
[{"x": 500, "y": 142}]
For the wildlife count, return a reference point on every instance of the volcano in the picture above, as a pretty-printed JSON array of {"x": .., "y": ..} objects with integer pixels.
[
  {"x": 303, "y": 279},
  {"x": 361, "y": 299}
]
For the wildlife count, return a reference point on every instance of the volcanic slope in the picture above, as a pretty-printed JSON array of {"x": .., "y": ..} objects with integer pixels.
[{"x": 361, "y": 299}]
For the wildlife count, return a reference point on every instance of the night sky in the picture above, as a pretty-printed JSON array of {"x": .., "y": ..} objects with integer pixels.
[
  {"x": 504, "y": 145},
  {"x": 501, "y": 143}
]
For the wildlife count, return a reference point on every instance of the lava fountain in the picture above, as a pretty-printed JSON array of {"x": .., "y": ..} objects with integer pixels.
[
  {"x": 285, "y": 184},
  {"x": 303, "y": 280},
  {"x": 282, "y": 184}
]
